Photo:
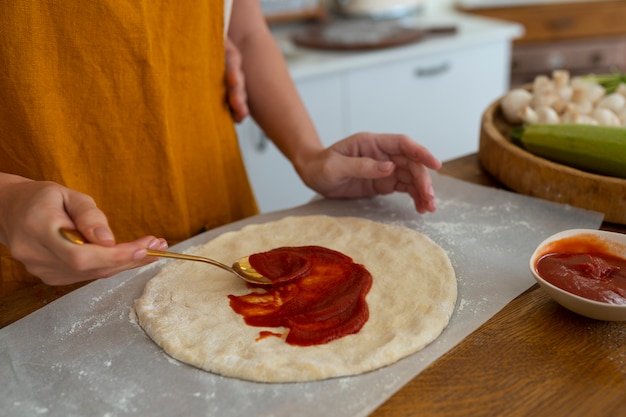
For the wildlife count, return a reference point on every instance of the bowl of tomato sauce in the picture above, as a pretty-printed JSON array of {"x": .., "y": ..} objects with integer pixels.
[{"x": 584, "y": 270}]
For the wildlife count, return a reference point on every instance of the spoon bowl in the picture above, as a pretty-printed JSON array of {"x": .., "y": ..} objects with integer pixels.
[{"x": 241, "y": 268}]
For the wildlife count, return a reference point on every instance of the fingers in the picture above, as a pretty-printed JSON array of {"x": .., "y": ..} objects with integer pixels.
[
  {"x": 419, "y": 187},
  {"x": 403, "y": 146},
  {"x": 33, "y": 213},
  {"x": 366, "y": 164},
  {"x": 235, "y": 82},
  {"x": 412, "y": 162},
  {"x": 382, "y": 147},
  {"x": 363, "y": 168},
  {"x": 76, "y": 263}
]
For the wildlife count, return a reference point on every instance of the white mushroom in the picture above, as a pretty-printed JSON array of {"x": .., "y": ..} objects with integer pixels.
[
  {"x": 587, "y": 120},
  {"x": 541, "y": 115},
  {"x": 565, "y": 93},
  {"x": 562, "y": 87},
  {"x": 596, "y": 92},
  {"x": 591, "y": 91},
  {"x": 546, "y": 98},
  {"x": 564, "y": 99},
  {"x": 528, "y": 115},
  {"x": 580, "y": 108},
  {"x": 622, "y": 116},
  {"x": 512, "y": 103},
  {"x": 560, "y": 78},
  {"x": 614, "y": 102},
  {"x": 606, "y": 117},
  {"x": 572, "y": 116},
  {"x": 547, "y": 115},
  {"x": 542, "y": 84}
]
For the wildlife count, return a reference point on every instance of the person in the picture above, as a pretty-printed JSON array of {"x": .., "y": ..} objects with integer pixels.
[{"x": 117, "y": 120}]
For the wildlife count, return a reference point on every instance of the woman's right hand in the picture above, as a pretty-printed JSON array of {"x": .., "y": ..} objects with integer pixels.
[{"x": 31, "y": 214}]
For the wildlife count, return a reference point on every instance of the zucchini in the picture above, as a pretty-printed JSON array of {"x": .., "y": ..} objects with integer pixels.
[{"x": 597, "y": 149}]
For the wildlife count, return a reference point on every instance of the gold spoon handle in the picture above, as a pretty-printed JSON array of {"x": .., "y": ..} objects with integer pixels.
[
  {"x": 241, "y": 268},
  {"x": 74, "y": 236},
  {"x": 174, "y": 255}
]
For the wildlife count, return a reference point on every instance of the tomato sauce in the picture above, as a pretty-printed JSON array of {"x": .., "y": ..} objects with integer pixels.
[
  {"x": 582, "y": 267},
  {"x": 317, "y": 293}
]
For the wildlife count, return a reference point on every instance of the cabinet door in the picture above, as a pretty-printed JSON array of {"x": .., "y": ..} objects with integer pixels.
[
  {"x": 325, "y": 100},
  {"x": 274, "y": 180},
  {"x": 438, "y": 100}
]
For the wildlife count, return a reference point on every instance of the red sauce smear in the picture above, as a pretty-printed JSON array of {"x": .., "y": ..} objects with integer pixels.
[
  {"x": 584, "y": 266},
  {"x": 317, "y": 293},
  {"x": 266, "y": 334}
]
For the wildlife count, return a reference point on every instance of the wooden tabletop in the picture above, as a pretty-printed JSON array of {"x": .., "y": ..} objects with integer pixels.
[{"x": 533, "y": 358}]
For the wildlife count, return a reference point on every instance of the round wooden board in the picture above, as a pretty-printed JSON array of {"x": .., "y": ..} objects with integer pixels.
[
  {"x": 357, "y": 34},
  {"x": 363, "y": 34},
  {"x": 528, "y": 174}
]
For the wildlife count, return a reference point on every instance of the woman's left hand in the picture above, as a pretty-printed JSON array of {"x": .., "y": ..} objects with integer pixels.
[
  {"x": 235, "y": 82},
  {"x": 367, "y": 164}
]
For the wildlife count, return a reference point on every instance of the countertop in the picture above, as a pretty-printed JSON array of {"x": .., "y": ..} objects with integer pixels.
[
  {"x": 83, "y": 354},
  {"x": 533, "y": 358},
  {"x": 471, "y": 30}
]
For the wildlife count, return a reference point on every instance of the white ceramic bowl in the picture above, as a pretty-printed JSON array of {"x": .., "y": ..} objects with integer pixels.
[{"x": 615, "y": 245}]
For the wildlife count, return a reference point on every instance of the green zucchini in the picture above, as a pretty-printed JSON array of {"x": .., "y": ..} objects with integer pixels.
[{"x": 597, "y": 149}]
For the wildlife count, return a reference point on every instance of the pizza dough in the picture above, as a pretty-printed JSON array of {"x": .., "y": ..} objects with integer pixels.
[{"x": 185, "y": 307}]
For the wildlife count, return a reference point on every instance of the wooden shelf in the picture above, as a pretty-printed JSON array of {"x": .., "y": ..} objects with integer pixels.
[{"x": 316, "y": 13}]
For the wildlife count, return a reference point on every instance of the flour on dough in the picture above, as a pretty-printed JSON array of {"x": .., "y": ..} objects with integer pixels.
[{"x": 185, "y": 307}]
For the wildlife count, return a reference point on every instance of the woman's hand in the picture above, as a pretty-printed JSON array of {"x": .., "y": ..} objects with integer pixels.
[
  {"x": 367, "y": 164},
  {"x": 363, "y": 164},
  {"x": 32, "y": 214},
  {"x": 235, "y": 82}
]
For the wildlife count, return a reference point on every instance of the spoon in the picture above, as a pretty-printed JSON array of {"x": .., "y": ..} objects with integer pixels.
[{"x": 241, "y": 268}]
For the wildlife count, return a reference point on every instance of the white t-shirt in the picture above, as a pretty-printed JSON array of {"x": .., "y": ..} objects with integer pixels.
[{"x": 228, "y": 6}]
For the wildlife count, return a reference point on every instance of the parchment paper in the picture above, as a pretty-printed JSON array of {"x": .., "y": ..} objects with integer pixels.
[{"x": 83, "y": 355}]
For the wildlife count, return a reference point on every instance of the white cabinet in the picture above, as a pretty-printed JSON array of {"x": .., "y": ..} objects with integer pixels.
[
  {"x": 274, "y": 181},
  {"x": 437, "y": 100}
]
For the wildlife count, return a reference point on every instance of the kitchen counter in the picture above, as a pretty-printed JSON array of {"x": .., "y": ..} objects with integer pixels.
[
  {"x": 471, "y": 30},
  {"x": 507, "y": 350},
  {"x": 532, "y": 358}
]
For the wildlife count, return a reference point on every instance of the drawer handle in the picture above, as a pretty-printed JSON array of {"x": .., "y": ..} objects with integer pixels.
[
  {"x": 261, "y": 144},
  {"x": 432, "y": 71},
  {"x": 596, "y": 58},
  {"x": 561, "y": 24}
]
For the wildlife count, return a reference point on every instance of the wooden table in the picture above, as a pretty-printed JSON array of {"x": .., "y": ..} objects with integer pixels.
[{"x": 533, "y": 358}]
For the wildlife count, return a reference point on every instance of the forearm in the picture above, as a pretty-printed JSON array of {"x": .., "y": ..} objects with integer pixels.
[{"x": 272, "y": 96}]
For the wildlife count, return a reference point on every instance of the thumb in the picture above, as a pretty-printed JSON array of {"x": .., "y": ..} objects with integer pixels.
[{"x": 89, "y": 219}]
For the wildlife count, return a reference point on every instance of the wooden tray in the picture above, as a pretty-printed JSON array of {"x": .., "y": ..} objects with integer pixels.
[{"x": 528, "y": 174}]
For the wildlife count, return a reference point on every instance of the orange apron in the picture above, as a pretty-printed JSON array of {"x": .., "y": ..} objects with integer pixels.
[{"x": 123, "y": 100}]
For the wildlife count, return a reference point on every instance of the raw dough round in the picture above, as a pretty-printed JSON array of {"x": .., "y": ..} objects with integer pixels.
[{"x": 185, "y": 307}]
